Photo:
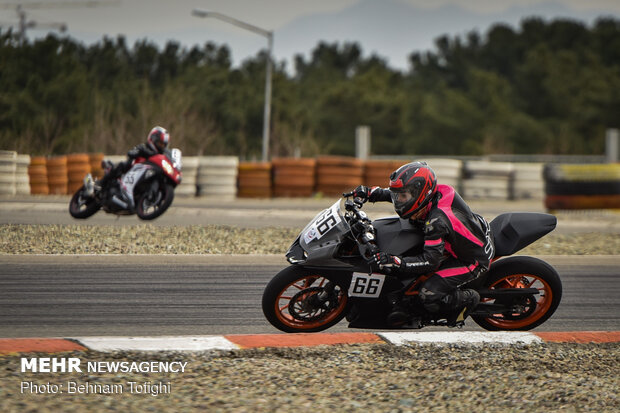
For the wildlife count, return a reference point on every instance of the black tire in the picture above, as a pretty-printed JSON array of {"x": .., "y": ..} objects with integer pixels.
[
  {"x": 299, "y": 286},
  {"x": 523, "y": 272},
  {"x": 151, "y": 204},
  {"x": 82, "y": 207}
]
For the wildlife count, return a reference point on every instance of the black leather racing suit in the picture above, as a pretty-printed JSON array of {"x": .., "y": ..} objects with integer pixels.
[{"x": 458, "y": 247}]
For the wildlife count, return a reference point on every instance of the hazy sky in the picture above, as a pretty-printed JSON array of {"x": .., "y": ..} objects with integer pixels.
[{"x": 389, "y": 28}]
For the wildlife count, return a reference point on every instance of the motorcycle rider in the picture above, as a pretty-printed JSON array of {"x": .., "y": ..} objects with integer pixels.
[
  {"x": 157, "y": 142},
  {"x": 457, "y": 242}
]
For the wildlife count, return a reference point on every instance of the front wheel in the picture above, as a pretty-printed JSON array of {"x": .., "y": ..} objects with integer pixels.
[
  {"x": 154, "y": 201},
  {"x": 82, "y": 206},
  {"x": 527, "y": 312},
  {"x": 299, "y": 300}
]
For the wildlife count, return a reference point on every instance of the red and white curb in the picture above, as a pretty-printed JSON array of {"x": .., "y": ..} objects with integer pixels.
[{"x": 240, "y": 341}]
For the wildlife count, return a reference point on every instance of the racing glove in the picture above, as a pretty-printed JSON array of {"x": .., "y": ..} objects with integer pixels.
[
  {"x": 385, "y": 260},
  {"x": 365, "y": 193}
]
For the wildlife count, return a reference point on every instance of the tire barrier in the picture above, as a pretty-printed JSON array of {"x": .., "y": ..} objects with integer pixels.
[
  {"x": 217, "y": 176},
  {"x": 22, "y": 180},
  {"x": 37, "y": 173},
  {"x": 562, "y": 186},
  {"x": 78, "y": 166},
  {"x": 527, "y": 181},
  {"x": 489, "y": 180},
  {"x": 189, "y": 173},
  {"x": 448, "y": 171},
  {"x": 338, "y": 174},
  {"x": 57, "y": 175},
  {"x": 94, "y": 160},
  {"x": 377, "y": 173},
  {"x": 293, "y": 177},
  {"x": 254, "y": 180},
  {"x": 590, "y": 186},
  {"x": 8, "y": 167}
]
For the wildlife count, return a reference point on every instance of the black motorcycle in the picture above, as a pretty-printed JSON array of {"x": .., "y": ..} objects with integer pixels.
[{"x": 330, "y": 278}]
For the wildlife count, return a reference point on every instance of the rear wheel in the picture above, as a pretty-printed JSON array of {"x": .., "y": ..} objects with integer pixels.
[
  {"x": 526, "y": 312},
  {"x": 298, "y": 300},
  {"x": 82, "y": 206},
  {"x": 154, "y": 201}
]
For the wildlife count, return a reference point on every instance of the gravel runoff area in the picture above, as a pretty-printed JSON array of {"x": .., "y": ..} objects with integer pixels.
[
  {"x": 548, "y": 377},
  {"x": 215, "y": 239}
]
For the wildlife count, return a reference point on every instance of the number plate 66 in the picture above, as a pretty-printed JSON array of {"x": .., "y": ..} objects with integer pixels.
[{"x": 366, "y": 286}]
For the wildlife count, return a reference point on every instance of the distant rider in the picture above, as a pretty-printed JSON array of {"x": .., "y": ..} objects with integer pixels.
[
  {"x": 156, "y": 143},
  {"x": 457, "y": 244}
]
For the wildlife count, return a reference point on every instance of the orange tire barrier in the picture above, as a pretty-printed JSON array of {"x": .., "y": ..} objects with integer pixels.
[
  {"x": 57, "y": 177},
  {"x": 37, "y": 172},
  {"x": 254, "y": 180},
  {"x": 338, "y": 174},
  {"x": 78, "y": 166},
  {"x": 293, "y": 177},
  {"x": 94, "y": 159},
  {"x": 377, "y": 173}
]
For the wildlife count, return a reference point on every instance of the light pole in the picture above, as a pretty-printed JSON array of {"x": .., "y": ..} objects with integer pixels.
[{"x": 269, "y": 35}]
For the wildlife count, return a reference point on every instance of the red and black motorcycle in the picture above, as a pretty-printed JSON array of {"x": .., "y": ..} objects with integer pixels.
[
  {"x": 330, "y": 277},
  {"x": 146, "y": 189}
]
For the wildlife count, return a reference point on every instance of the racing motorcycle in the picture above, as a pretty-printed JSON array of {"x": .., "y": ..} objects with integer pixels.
[
  {"x": 146, "y": 189},
  {"x": 330, "y": 277}
]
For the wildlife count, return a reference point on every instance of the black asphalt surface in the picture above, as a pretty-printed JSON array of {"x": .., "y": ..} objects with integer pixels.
[{"x": 64, "y": 296}]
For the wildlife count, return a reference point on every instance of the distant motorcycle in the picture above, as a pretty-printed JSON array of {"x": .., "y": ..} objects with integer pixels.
[
  {"x": 147, "y": 189},
  {"x": 330, "y": 277}
]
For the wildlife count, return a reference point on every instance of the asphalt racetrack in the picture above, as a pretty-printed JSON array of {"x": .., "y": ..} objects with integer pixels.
[{"x": 57, "y": 296}]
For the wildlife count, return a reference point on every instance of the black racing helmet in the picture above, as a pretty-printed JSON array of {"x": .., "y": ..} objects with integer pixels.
[{"x": 412, "y": 186}]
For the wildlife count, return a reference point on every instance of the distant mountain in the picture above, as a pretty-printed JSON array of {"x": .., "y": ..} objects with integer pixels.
[{"x": 394, "y": 29}]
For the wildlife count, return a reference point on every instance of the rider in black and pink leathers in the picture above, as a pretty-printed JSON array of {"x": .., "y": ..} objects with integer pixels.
[{"x": 457, "y": 242}]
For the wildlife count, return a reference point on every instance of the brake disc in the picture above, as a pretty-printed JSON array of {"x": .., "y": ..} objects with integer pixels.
[{"x": 306, "y": 306}]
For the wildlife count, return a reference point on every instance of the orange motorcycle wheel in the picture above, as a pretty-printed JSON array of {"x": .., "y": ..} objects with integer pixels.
[
  {"x": 528, "y": 312},
  {"x": 298, "y": 300}
]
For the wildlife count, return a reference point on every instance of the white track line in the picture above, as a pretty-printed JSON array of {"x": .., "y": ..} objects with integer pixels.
[
  {"x": 461, "y": 337},
  {"x": 159, "y": 343}
]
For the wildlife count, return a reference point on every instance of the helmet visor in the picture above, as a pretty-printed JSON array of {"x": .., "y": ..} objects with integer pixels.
[
  {"x": 400, "y": 198},
  {"x": 160, "y": 144}
]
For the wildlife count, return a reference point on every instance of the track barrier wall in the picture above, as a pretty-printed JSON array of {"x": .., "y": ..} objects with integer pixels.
[
  {"x": 254, "y": 180},
  {"x": 559, "y": 186},
  {"x": 591, "y": 186}
]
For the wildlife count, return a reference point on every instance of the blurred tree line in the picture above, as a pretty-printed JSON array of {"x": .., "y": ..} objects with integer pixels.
[{"x": 547, "y": 87}]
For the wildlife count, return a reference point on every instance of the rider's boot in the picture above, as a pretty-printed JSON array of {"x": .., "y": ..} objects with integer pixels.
[
  {"x": 399, "y": 315},
  {"x": 461, "y": 303}
]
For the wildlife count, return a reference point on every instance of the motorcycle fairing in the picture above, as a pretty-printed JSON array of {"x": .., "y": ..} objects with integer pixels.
[
  {"x": 398, "y": 236},
  {"x": 319, "y": 241},
  {"x": 130, "y": 179}
]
